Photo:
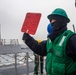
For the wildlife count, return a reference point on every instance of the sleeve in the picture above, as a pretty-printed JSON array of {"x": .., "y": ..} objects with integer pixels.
[
  {"x": 38, "y": 48},
  {"x": 71, "y": 47}
]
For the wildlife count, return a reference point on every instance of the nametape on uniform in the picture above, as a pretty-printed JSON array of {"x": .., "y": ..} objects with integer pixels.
[{"x": 31, "y": 23}]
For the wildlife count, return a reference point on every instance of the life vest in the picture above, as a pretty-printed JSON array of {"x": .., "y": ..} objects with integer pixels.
[{"x": 57, "y": 62}]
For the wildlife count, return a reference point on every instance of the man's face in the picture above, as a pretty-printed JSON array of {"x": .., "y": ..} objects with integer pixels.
[
  {"x": 55, "y": 24},
  {"x": 52, "y": 21}
]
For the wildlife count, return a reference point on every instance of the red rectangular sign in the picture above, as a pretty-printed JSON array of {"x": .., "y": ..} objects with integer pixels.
[{"x": 31, "y": 23}]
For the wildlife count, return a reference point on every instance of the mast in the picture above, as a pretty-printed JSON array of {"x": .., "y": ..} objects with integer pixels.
[
  {"x": 75, "y": 3},
  {"x": 73, "y": 28},
  {"x": 0, "y": 35}
]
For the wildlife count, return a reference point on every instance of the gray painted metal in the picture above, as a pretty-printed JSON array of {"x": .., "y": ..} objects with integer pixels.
[{"x": 10, "y": 49}]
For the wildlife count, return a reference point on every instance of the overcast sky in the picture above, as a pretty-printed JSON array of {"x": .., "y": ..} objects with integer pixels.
[{"x": 13, "y": 12}]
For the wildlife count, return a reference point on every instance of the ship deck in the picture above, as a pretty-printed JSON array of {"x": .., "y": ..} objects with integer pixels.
[{"x": 12, "y": 62}]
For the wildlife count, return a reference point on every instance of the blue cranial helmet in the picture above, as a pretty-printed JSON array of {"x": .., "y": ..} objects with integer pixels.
[{"x": 49, "y": 28}]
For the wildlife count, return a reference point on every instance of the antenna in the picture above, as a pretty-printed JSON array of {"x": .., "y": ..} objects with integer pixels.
[
  {"x": 0, "y": 35},
  {"x": 73, "y": 27},
  {"x": 75, "y": 3}
]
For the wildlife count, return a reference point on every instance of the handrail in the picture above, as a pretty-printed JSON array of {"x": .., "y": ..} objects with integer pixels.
[{"x": 16, "y": 56}]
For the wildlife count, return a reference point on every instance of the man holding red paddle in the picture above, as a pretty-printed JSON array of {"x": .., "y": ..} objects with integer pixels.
[{"x": 60, "y": 46}]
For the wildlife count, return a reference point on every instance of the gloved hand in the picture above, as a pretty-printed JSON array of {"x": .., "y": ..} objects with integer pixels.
[{"x": 25, "y": 36}]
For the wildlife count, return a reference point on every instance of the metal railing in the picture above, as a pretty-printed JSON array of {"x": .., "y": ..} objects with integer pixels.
[
  {"x": 13, "y": 56},
  {"x": 18, "y": 59}
]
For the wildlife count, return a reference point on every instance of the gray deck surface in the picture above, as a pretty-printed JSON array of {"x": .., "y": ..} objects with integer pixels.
[
  {"x": 7, "y": 49},
  {"x": 21, "y": 70}
]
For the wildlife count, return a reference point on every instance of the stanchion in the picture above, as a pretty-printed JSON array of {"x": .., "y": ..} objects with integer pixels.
[
  {"x": 39, "y": 66},
  {"x": 27, "y": 63},
  {"x": 15, "y": 63}
]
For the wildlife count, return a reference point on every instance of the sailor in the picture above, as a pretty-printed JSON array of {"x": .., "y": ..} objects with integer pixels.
[
  {"x": 60, "y": 46},
  {"x": 37, "y": 58}
]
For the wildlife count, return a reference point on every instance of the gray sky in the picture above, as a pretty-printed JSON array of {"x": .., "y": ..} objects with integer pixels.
[{"x": 13, "y": 12}]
